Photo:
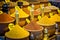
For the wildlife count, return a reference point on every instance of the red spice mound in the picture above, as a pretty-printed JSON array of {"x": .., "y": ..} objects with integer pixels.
[
  {"x": 5, "y": 18},
  {"x": 33, "y": 26}
]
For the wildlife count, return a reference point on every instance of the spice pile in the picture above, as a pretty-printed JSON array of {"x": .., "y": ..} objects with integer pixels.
[
  {"x": 22, "y": 14},
  {"x": 45, "y": 21},
  {"x": 5, "y": 18},
  {"x": 17, "y": 33},
  {"x": 32, "y": 26},
  {"x": 55, "y": 18}
]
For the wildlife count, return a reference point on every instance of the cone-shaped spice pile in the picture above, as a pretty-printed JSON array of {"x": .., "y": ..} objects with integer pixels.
[
  {"x": 5, "y": 18},
  {"x": 17, "y": 33},
  {"x": 33, "y": 26},
  {"x": 45, "y": 21}
]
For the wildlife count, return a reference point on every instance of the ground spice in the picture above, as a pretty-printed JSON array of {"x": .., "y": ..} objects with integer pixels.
[
  {"x": 5, "y": 18},
  {"x": 25, "y": 3},
  {"x": 35, "y": 12},
  {"x": 55, "y": 18},
  {"x": 52, "y": 7},
  {"x": 45, "y": 21},
  {"x": 17, "y": 33},
  {"x": 22, "y": 14},
  {"x": 33, "y": 26}
]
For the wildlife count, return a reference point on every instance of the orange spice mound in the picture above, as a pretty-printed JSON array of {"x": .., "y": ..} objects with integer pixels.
[
  {"x": 5, "y": 18},
  {"x": 28, "y": 12},
  {"x": 33, "y": 26}
]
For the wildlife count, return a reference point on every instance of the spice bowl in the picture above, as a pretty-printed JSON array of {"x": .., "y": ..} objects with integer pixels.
[
  {"x": 36, "y": 31},
  {"x": 51, "y": 29},
  {"x": 35, "y": 13},
  {"x": 4, "y": 27},
  {"x": 36, "y": 34},
  {"x": 22, "y": 22},
  {"x": 18, "y": 33},
  {"x": 11, "y": 10},
  {"x": 54, "y": 11},
  {"x": 58, "y": 25},
  {"x": 5, "y": 19},
  {"x": 27, "y": 38}
]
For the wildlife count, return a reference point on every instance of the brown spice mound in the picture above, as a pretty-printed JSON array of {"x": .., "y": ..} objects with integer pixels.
[
  {"x": 33, "y": 26},
  {"x": 5, "y": 18}
]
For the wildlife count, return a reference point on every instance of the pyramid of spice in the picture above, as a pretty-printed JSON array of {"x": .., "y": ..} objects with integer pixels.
[
  {"x": 5, "y": 18},
  {"x": 17, "y": 33},
  {"x": 32, "y": 26},
  {"x": 35, "y": 12},
  {"x": 25, "y": 3},
  {"x": 45, "y": 21},
  {"x": 55, "y": 18},
  {"x": 52, "y": 7},
  {"x": 22, "y": 14}
]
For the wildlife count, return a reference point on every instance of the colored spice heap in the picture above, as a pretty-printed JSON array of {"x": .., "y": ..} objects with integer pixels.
[
  {"x": 32, "y": 26},
  {"x": 45, "y": 21},
  {"x": 55, "y": 18},
  {"x": 17, "y": 33},
  {"x": 5, "y": 18},
  {"x": 35, "y": 12},
  {"x": 22, "y": 14},
  {"x": 52, "y": 7},
  {"x": 25, "y": 3}
]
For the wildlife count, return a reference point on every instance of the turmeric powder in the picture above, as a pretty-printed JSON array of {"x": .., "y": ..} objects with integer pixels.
[
  {"x": 55, "y": 18},
  {"x": 45, "y": 21},
  {"x": 22, "y": 14},
  {"x": 17, "y": 33}
]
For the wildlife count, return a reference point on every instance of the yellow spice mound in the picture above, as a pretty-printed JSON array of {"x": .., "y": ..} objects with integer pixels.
[
  {"x": 53, "y": 7},
  {"x": 29, "y": 8},
  {"x": 45, "y": 21},
  {"x": 22, "y": 14},
  {"x": 55, "y": 18},
  {"x": 25, "y": 3},
  {"x": 17, "y": 33}
]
